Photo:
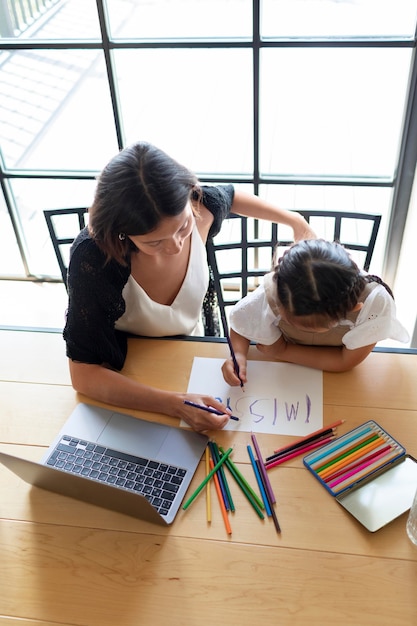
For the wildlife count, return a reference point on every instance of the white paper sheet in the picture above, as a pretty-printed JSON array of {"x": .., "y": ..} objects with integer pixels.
[{"x": 279, "y": 398}]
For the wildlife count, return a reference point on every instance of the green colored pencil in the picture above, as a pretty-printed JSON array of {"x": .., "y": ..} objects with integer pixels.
[
  {"x": 216, "y": 452},
  {"x": 232, "y": 466},
  {"x": 246, "y": 488},
  {"x": 207, "y": 478}
]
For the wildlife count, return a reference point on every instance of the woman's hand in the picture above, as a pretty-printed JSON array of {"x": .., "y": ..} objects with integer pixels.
[
  {"x": 200, "y": 420},
  {"x": 302, "y": 229}
]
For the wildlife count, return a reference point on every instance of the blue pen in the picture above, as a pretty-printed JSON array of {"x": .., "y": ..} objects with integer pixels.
[{"x": 209, "y": 409}]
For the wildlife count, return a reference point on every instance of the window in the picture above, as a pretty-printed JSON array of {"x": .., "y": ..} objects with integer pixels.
[{"x": 309, "y": 103}]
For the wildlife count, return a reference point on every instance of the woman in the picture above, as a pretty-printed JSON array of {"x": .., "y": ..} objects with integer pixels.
[{"x": 140, "y": 267}]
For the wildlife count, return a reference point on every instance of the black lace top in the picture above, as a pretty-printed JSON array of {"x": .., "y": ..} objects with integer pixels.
[{"x": 95, "y": 292}]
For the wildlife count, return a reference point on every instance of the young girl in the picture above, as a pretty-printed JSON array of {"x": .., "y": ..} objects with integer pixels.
[
  {"x": 140, "y": 267},
  {"x": 317, "y": 309}
]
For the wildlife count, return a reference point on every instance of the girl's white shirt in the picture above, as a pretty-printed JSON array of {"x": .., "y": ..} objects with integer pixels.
[
  {"x": 144, "y": 316},
  {"x": 253, "y": 318}
]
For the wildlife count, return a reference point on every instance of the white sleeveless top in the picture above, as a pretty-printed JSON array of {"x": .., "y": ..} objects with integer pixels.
[{"x": 148, "y": 318}]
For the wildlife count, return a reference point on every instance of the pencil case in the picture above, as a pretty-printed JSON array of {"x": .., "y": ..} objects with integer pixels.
[{"x": 368, "y": 472}]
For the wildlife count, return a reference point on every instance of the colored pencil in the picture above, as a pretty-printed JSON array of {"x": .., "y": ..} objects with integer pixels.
[
  {"x": 259, "y": 480},
  {"x": 264, "y": 475},
  {"x": 349, "y": 457},
  {"x": 207, "y": 478},
  {"x": 298, "y": 452},
  {"x": 232, "y": 352},
  {"x": 340, "y": 443},
  {"x": 235, "y": 363},
  {"x": 251, "y": 495},
  {"x": 320, "y": 431},
  {"x": 300, "y": 444},
  {"x": 209, "y": 409},
  {"x": 221, "y": 483},
  {"x": 366, "y": 469},
  {"x": 208, "y": 493},
  {"x": 342, "y": 472},
  {"x": 228, "y": 500},
  {"x": 363, "y": 443},
  {"x": 221, "y": 501},
  {"x": 271, "y": 504}
]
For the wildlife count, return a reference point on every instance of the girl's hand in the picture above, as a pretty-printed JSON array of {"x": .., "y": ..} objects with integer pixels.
[
  {"x": 275, "y": 350},
  {"x": 229, "y": 373},
  {"x": 201, "y": 421}
]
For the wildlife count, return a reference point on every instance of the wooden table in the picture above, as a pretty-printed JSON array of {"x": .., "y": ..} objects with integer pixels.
[{"x": 66, "y": 562}]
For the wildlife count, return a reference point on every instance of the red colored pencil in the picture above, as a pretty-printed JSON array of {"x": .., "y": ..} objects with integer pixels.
[
  {"x": 315, "y": 433},
  {"x": 298, "y": 452}
]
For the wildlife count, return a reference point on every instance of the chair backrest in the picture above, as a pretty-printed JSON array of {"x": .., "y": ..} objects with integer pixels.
[
  {"x": 63, "y": 226},
  {"x": 241, "y": 255}
]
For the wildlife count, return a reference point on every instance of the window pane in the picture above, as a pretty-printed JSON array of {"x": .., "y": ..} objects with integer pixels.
[
  {"x": 175, "y": 19},
  {"x": 10, "y": 260},
  {"x": 338, "y": 18},
  {"x": 334, "y": 112},
  {"x": 197, "y": 106},
  {"x": 49, "y": 19},
  {"x": 55, "y": 110},
  {"x": 32, "y": 198},
  {"x": 373, "y": 200}
]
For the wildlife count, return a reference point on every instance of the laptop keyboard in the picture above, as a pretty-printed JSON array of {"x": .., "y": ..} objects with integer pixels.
[{"x": 158, "y": 482}]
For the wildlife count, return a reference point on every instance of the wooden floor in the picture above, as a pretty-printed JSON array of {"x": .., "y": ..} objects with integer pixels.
[{"x": 64, "y": 562}]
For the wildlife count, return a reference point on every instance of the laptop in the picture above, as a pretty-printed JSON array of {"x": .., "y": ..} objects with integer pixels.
[{"x": 118, "y": 462}]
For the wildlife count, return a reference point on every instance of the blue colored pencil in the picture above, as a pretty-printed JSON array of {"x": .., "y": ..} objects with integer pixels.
[
  {"x": 340, "y": 442},
  {"x": 259, "y": 480},
  {"x": 224, "y": 486}
]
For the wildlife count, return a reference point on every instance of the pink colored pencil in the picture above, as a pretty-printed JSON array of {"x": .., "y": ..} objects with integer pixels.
[
  {"x": 341, "y": 472},
  {"x": 357, "y": 473},
  {"x": 298, "y": 451}
]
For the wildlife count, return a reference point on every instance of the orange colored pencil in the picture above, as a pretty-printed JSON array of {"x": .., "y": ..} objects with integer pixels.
[
  {"x": 221, "y": 501},
  {"x": 351, "y": 457}
]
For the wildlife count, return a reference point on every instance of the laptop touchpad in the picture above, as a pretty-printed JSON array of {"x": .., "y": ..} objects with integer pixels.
[{"x": 133, "y": 436}]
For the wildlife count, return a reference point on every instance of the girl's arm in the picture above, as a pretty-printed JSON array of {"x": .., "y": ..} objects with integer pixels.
[
  {"x": 327, "y": 358},
  {"x": 109, "y": 386},
  {"x": 240, "y": 346},
  {"x": 253, "y": 206}
]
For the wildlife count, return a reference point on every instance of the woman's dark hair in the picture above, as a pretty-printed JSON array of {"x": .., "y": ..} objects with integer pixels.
[
  {"x": 319, "y": 278},
  {"x": 138, "y": 188}
]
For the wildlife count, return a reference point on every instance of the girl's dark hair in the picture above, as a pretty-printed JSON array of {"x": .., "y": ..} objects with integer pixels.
[
  {"x": 318, "y": 277},
  {"x": 138, "y": 188}
]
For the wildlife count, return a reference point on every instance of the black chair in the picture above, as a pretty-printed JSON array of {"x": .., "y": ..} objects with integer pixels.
[
  {"x": 238, "y": 261},
  {"x": 63, "y": 226}
]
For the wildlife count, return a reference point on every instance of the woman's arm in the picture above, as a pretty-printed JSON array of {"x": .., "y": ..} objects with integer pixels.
[
  {"x": 253, "y": 206},
  {"x": 105, "y": 385},
  {"x": 326, "y": 358}
]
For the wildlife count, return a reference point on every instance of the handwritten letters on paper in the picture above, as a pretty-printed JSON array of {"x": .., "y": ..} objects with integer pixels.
[{"x": 279, "y": 398}]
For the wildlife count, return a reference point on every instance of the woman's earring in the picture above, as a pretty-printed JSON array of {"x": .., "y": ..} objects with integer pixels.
[{"x": 122, "y": 236}]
